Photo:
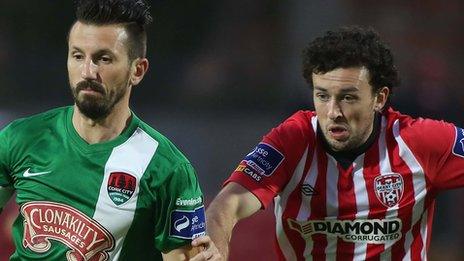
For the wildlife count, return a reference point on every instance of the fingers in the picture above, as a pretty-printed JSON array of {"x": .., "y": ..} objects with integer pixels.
[
  {"x": 203, "y": 240},
  {"x": 202, "y": 256},
  {"x": 210, "y": 251}
]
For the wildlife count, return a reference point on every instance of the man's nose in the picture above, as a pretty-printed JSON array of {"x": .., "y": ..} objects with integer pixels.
[
  {"x": 89, "y": 70},
  {"x": 334, "y": 111}
]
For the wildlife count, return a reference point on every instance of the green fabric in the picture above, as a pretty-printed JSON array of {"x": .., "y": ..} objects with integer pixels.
[{"x": 67, "y": 175}]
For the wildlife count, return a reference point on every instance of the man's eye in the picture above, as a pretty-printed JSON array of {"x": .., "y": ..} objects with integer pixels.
[
  {"x": 105, "y": 59},
  {"x": 349, "y": 98},
  {"x": 322, "y": 96},
  {"x": 78, "y": 56}
]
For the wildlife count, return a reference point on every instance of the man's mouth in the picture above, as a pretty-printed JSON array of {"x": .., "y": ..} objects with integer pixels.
[
  {"x": 338, "y": 133},
  {"x": 90, "y": 90},
  {"x": 88, "y": 87}
]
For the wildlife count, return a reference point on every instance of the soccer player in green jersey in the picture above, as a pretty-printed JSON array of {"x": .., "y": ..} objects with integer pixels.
[{"x": 93, "y": 181}]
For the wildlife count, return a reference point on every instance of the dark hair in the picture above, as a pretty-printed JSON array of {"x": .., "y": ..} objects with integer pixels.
[
  {"x": 134, "y": 15},
  {"x": 350, "y": 47}
]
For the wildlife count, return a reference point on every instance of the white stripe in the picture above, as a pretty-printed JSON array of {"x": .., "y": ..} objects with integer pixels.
[
  {"x": 332, "y": 204},
  {"x": 314, "y": 123},
  {"x": 383, "y": 149},
  {"x": 418, "y": 183},
  {"x": 305, "y": 209},
  {"x": 362, "y": 203},
  {"x": 280, "y": 204},
  {"x": 424, "y": 234},
  {"x": 132, "y": 157},
  {"x": 385, "y": 169},
  {"x": 312, "y": 181}
]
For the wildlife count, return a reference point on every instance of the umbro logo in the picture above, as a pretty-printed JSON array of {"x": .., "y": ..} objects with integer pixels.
[
  {"x": 27, "y": 173},
  {"x": 308, "y": 190}
]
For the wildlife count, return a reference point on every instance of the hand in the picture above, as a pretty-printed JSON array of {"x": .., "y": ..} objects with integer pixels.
[{"x": 210, "y": 251}]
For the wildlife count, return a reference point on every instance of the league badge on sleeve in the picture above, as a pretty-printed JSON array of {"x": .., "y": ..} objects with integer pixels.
[
  {"x": 262, "y": 161},
  {"x": 458, "y": 148},
  {"x": 188, "y": 224}
]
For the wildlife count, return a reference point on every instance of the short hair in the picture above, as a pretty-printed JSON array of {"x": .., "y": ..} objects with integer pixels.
[
  {"x": 134, "y": 15},
  {"x": 351, "y": 46}
]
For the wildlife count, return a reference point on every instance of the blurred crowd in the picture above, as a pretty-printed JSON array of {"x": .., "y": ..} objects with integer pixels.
[{"x": 223, "y": 72}]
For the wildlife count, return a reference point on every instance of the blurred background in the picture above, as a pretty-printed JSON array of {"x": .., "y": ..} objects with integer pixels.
[{"x": 222, "y": 73}]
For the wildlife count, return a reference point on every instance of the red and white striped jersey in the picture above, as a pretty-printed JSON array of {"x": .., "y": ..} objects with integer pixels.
[{"x": 379, "y": 208}]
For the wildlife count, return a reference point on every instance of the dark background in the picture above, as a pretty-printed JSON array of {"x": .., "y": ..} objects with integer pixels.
[{"x": 222, "y": 73}]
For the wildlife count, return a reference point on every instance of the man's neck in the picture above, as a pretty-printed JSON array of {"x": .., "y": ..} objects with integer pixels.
[{"x": 102, "y": 130}]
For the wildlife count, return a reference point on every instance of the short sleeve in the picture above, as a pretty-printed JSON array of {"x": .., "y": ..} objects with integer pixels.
[
  {"x": 450, "y": 167},
  {"x": 439, "y": 147},
  {"x": 267, "y": 169},
  {"x": 180, "y": 216}
]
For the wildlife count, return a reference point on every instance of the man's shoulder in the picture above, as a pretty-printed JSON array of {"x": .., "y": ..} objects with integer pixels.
[
  {"x": 409, "y": 123},
  {"x": 37, "y": 122},
  {"x": 300, "y": 123},
  {"x": 166, "y": 150},
  {"x": 303, "y": 116},
  {"x": 421, "y": 135},
  {"x": 301, "y": 120}
]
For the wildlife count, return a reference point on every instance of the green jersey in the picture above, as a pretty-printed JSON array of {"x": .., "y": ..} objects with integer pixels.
[{"x": 130, "y": 198}]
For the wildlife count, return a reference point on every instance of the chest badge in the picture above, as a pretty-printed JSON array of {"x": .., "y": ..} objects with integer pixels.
[
  {"x": 121, "y": 187},
  {"x": 389, "y": 189}
]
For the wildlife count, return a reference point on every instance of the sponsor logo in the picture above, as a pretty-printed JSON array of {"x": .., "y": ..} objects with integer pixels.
[
  {"x": 27, "y": 173},
  {"x": 249, "y": 171},
  {"x": 45, "y": 221},
  {"x": 262, "y": 161},
  {"x": 121, "y": 187},
  {"x": 458, "y": 148},
  {"x": 374, "y": 231},
  {"x": 181, "y": 224},
  {"x": 389, "y": 189},
  {"x": 188, "y": 224},
  {"x": 308, "y": 190},
  {"x": 189, "y": 202}
]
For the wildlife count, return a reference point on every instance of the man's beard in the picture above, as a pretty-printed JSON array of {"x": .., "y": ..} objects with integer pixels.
[{"x": 96, "y": 107}]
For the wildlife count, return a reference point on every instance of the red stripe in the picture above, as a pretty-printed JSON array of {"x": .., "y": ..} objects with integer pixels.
[
  {"x": 417, "y": 245},
  {"x": 346, "y": 209},
  {"x": 280, "y": 255},
  {"x": 319, "y": 203},
  {"x": 370, "y": 171},
  {"x": 431, "y": 210},
  {"x": 292, "y": 208},
  {"x": 407, "y": 202}
]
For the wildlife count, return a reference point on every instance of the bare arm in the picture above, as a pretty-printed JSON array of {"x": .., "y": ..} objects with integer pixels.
[
  {"x": 233, "y": 203},
  {"x": 182, "y": 253}
]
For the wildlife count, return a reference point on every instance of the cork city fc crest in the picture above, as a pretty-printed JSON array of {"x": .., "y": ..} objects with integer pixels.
[
  {"x": 121, "y": 187},
  {"x": 389, "y": 188}
]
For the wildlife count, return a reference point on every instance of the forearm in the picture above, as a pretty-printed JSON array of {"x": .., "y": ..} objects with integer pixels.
[{"x": 219, "y": 227}]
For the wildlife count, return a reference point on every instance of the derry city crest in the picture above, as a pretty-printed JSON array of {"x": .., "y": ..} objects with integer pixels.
[
  {"x": 389, "y": 189},
  {"x": 45, "y": 221}
]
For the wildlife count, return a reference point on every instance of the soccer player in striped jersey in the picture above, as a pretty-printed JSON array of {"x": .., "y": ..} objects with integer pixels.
[
  {"x": 93, "y": 181},
  {"x": 354, "y": 179}
]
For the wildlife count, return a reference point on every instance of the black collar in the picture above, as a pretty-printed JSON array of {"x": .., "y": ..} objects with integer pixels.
[{"x": 346, "y": 158}]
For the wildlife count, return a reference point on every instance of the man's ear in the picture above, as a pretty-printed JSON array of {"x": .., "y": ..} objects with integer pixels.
[
  {"x": 138, "y": 69},
  {"x": 381, "y": 98}
]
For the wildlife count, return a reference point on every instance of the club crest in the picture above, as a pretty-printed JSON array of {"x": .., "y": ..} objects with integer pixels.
[
  {"x": 121, "y": 187},
  {"x": 389, "y": 189}
]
